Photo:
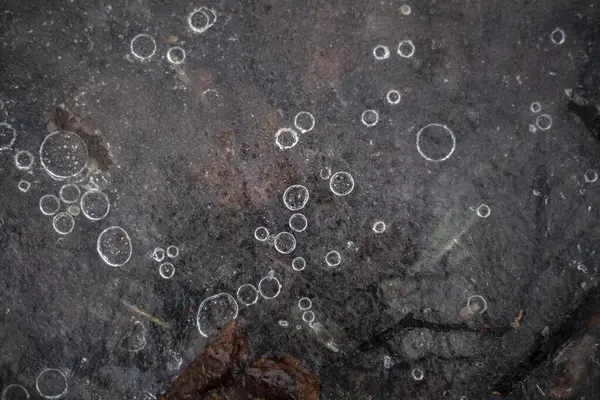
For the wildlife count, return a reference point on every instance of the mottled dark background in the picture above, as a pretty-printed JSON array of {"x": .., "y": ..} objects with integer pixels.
[{"x": 199, "y": 169}]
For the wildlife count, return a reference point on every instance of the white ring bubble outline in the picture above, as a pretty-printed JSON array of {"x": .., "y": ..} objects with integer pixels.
[
  {"x": 301, "y": 187},
  {"x": 333, "y": 264},
  {"x": 61, "y": 190},
  {"x": 24, "y": 167},
  {"x": 24, "y": 186},
  {"x": 305, "y": 308},
  {"x": 325, "y": 173},
  {"x": 590, "y": 178},
  {"x": 405, "y": 9},
  {"x": 172, "y": 251},
  {"x": 54, "y": 198},
  {"x": 278, "y": 247},
  {"x": 417, "y": 374},
  {"x": 158, "y": 254},
  {"x": 332, "y": 179},
  {"x": 99, "y": 250},
  {"x": 297, "y": 125},
  {"x": 535, "y": 107},
  {"x": 62, "y": 215},
  {"x": 11, "y": 386},
  {"x": 362, "y": 118},
  {"x": 254, "y": 289},
  {"x": 164, "y": 274},
  {"x": 296, "y": 260},
  {"x": 391, "y": 92},
  {"x": 476, "y": 296},
  {"x": 412, "y": 48},
  {"x": 58, "y": 396},
  {"x": 302, "y": 217},
  {"x": 483, "y": 211},
  {"x": 543, "y": 116},
  {"x": 386, "y": 52},
  {"x": 286, "y": 130},
  {"x": 447, "y": 156},
  {"x": 170, "y": 56},
  {"x": 308, "y": 317},
  {"x": 11, "y": 142},
  {"x": 208, "y": 23},
  {"x": 83, "y": 208},
  {"x": 563, "y": 36},
  {"x": 211, "y": 298},
  {"x": 135, "y": 54},
  {"x": 379, "y": 227},
  {"x": 261, "y": 229},
  {"x": 269, "y": 277},
  {"x": 52, "y": 174},
  {"x": 283, "y": 323}
]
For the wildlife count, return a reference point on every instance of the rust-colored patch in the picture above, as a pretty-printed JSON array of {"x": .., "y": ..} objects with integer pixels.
[{"x": 221, "y": 371}]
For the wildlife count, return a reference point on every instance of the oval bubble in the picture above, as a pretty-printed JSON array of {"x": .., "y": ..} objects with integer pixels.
[
  {"x": 49, "y": 204},
  {"x": 23, "y": 160},
  {"x": 247, "y": 294},
  {"x": 114, "y": 246},
  {"x": 172, "y": 251},
  {"x": 298, "y": 222},
  {"x": 436, "y": 142},
  {"x": 69, "y": 193},
  {"x": 298, "y": 264},
  {"x": 286, "y": 138},
  {"x": 261, "y": 233},
  {"x": 295, "y": 197},
  {"x": 215, "y": 312},
  {"x": 269, "y": 287},
  {"x": 166, "y": 270},
  {"x": 304, "y": 121},
  {"x": 158, "y": 254},
  {"x": 304, "y": 304},
  {"x": 63, "y": 154},
  {"x": 285, "y": 242},
  {"x": 333, "y": 258},
  {"x": 94, "y": 205},
  {"x": 52, "y": 384},
  {"x": 341, "y": 183},
  {"x": 63, "y": 223}
]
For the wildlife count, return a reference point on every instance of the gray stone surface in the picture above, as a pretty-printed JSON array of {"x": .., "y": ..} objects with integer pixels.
[{"x": 186, "y": 154}]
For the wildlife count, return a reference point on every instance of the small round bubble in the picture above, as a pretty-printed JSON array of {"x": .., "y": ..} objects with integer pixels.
[{"x": 298, "y": 264}]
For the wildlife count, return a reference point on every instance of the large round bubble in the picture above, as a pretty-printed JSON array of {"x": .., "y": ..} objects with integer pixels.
[
  {"x": 215, "y": 312},
  {"x": 51, "y": 384},
  {"x": 114, "y": 246},
  {"x": 63, "y": 154},
  {"x": 94, "y": 205}
]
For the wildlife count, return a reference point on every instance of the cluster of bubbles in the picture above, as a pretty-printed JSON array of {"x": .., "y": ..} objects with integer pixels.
[
  {"x": 166, "y": 269},
  {"x": 542, "y": 121},
  {"x": 305, "y": 305},
  {"x": 23, "y": 159},
  {"x": 93, "y": 204},
  {"x": 286, "y": 138},
  {"x": 64, "y": 156},
  {"x": 216, "y": 311},
  {"x": 143, "y": 46},
  {"x": 370, "y": 117},
  {"x": 51, "y": 383},
  {"x": 405, "y": 49}
]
